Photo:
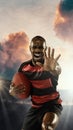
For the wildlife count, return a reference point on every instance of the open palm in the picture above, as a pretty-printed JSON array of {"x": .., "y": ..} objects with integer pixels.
[{"x": 50, "y": 62}]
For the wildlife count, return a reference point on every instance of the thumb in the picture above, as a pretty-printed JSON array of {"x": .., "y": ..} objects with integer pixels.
[{"x": 39, "y": 64}]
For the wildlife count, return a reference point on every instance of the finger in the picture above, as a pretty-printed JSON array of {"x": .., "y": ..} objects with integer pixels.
[
  {"x": 49, "y": 52},
  {"x": 18, "y": 88},
  {"x": 11, "y": 89},
  {"x": 45, "y": 54},
  {"x": 20, "y": 91},
  {"x": 12, "y": 84},
  {"x": 52, "y": 54},
  {"x": 57, "y": 57}
]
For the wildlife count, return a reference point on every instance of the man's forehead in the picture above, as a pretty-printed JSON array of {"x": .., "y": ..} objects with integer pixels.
[{"x": 38, "y": 43}]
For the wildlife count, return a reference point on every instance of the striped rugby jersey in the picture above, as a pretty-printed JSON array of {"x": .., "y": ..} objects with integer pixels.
[{"x": 43, "y": 84}]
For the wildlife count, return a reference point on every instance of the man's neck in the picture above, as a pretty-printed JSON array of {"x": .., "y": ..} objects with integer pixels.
[{"x": 38, "y": 63}]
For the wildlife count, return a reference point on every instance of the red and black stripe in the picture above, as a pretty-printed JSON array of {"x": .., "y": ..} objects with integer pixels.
[{"x": 43, "y": 83}]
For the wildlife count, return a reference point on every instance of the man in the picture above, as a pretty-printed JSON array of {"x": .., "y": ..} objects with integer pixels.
[{"x": 42, "y": 71}]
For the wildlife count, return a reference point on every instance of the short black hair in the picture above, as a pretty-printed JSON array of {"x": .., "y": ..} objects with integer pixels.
[{"x": 40, "y": 38}]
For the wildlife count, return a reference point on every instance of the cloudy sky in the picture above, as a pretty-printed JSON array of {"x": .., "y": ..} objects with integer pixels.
[{"x": 20, "y": 20}]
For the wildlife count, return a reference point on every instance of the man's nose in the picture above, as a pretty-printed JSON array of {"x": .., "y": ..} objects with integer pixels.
[{"x": 38, "y": 50}]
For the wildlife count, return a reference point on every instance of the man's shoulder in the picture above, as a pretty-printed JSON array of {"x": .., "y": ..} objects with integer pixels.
[{"x": 24, "y": 64}]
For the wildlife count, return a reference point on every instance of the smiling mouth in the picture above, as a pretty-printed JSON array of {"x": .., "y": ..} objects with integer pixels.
[{"x": 38, "y": 56}]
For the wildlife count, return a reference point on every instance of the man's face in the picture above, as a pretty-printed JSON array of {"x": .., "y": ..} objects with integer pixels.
[{"x": 38, "y": 49}]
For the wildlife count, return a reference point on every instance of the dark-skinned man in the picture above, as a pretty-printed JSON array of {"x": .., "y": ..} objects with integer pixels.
[{"x": 43, "y": 72}]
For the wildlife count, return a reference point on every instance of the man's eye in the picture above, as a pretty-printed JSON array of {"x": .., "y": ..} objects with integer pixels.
[
  {"x": 37, "y": 47},
  {"x": 34, "y": 47},
  {"x": 40, "y": 47}
]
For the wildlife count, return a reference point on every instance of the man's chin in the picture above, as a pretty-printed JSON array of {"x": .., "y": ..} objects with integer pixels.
[{"x": 40, "y": 61}]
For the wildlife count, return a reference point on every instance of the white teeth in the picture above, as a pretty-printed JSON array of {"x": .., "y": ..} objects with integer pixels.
[{"x": 37, "y": 54}]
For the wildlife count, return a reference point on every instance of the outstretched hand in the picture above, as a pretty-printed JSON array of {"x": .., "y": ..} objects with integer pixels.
[{"x": 50, "y": 62}]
